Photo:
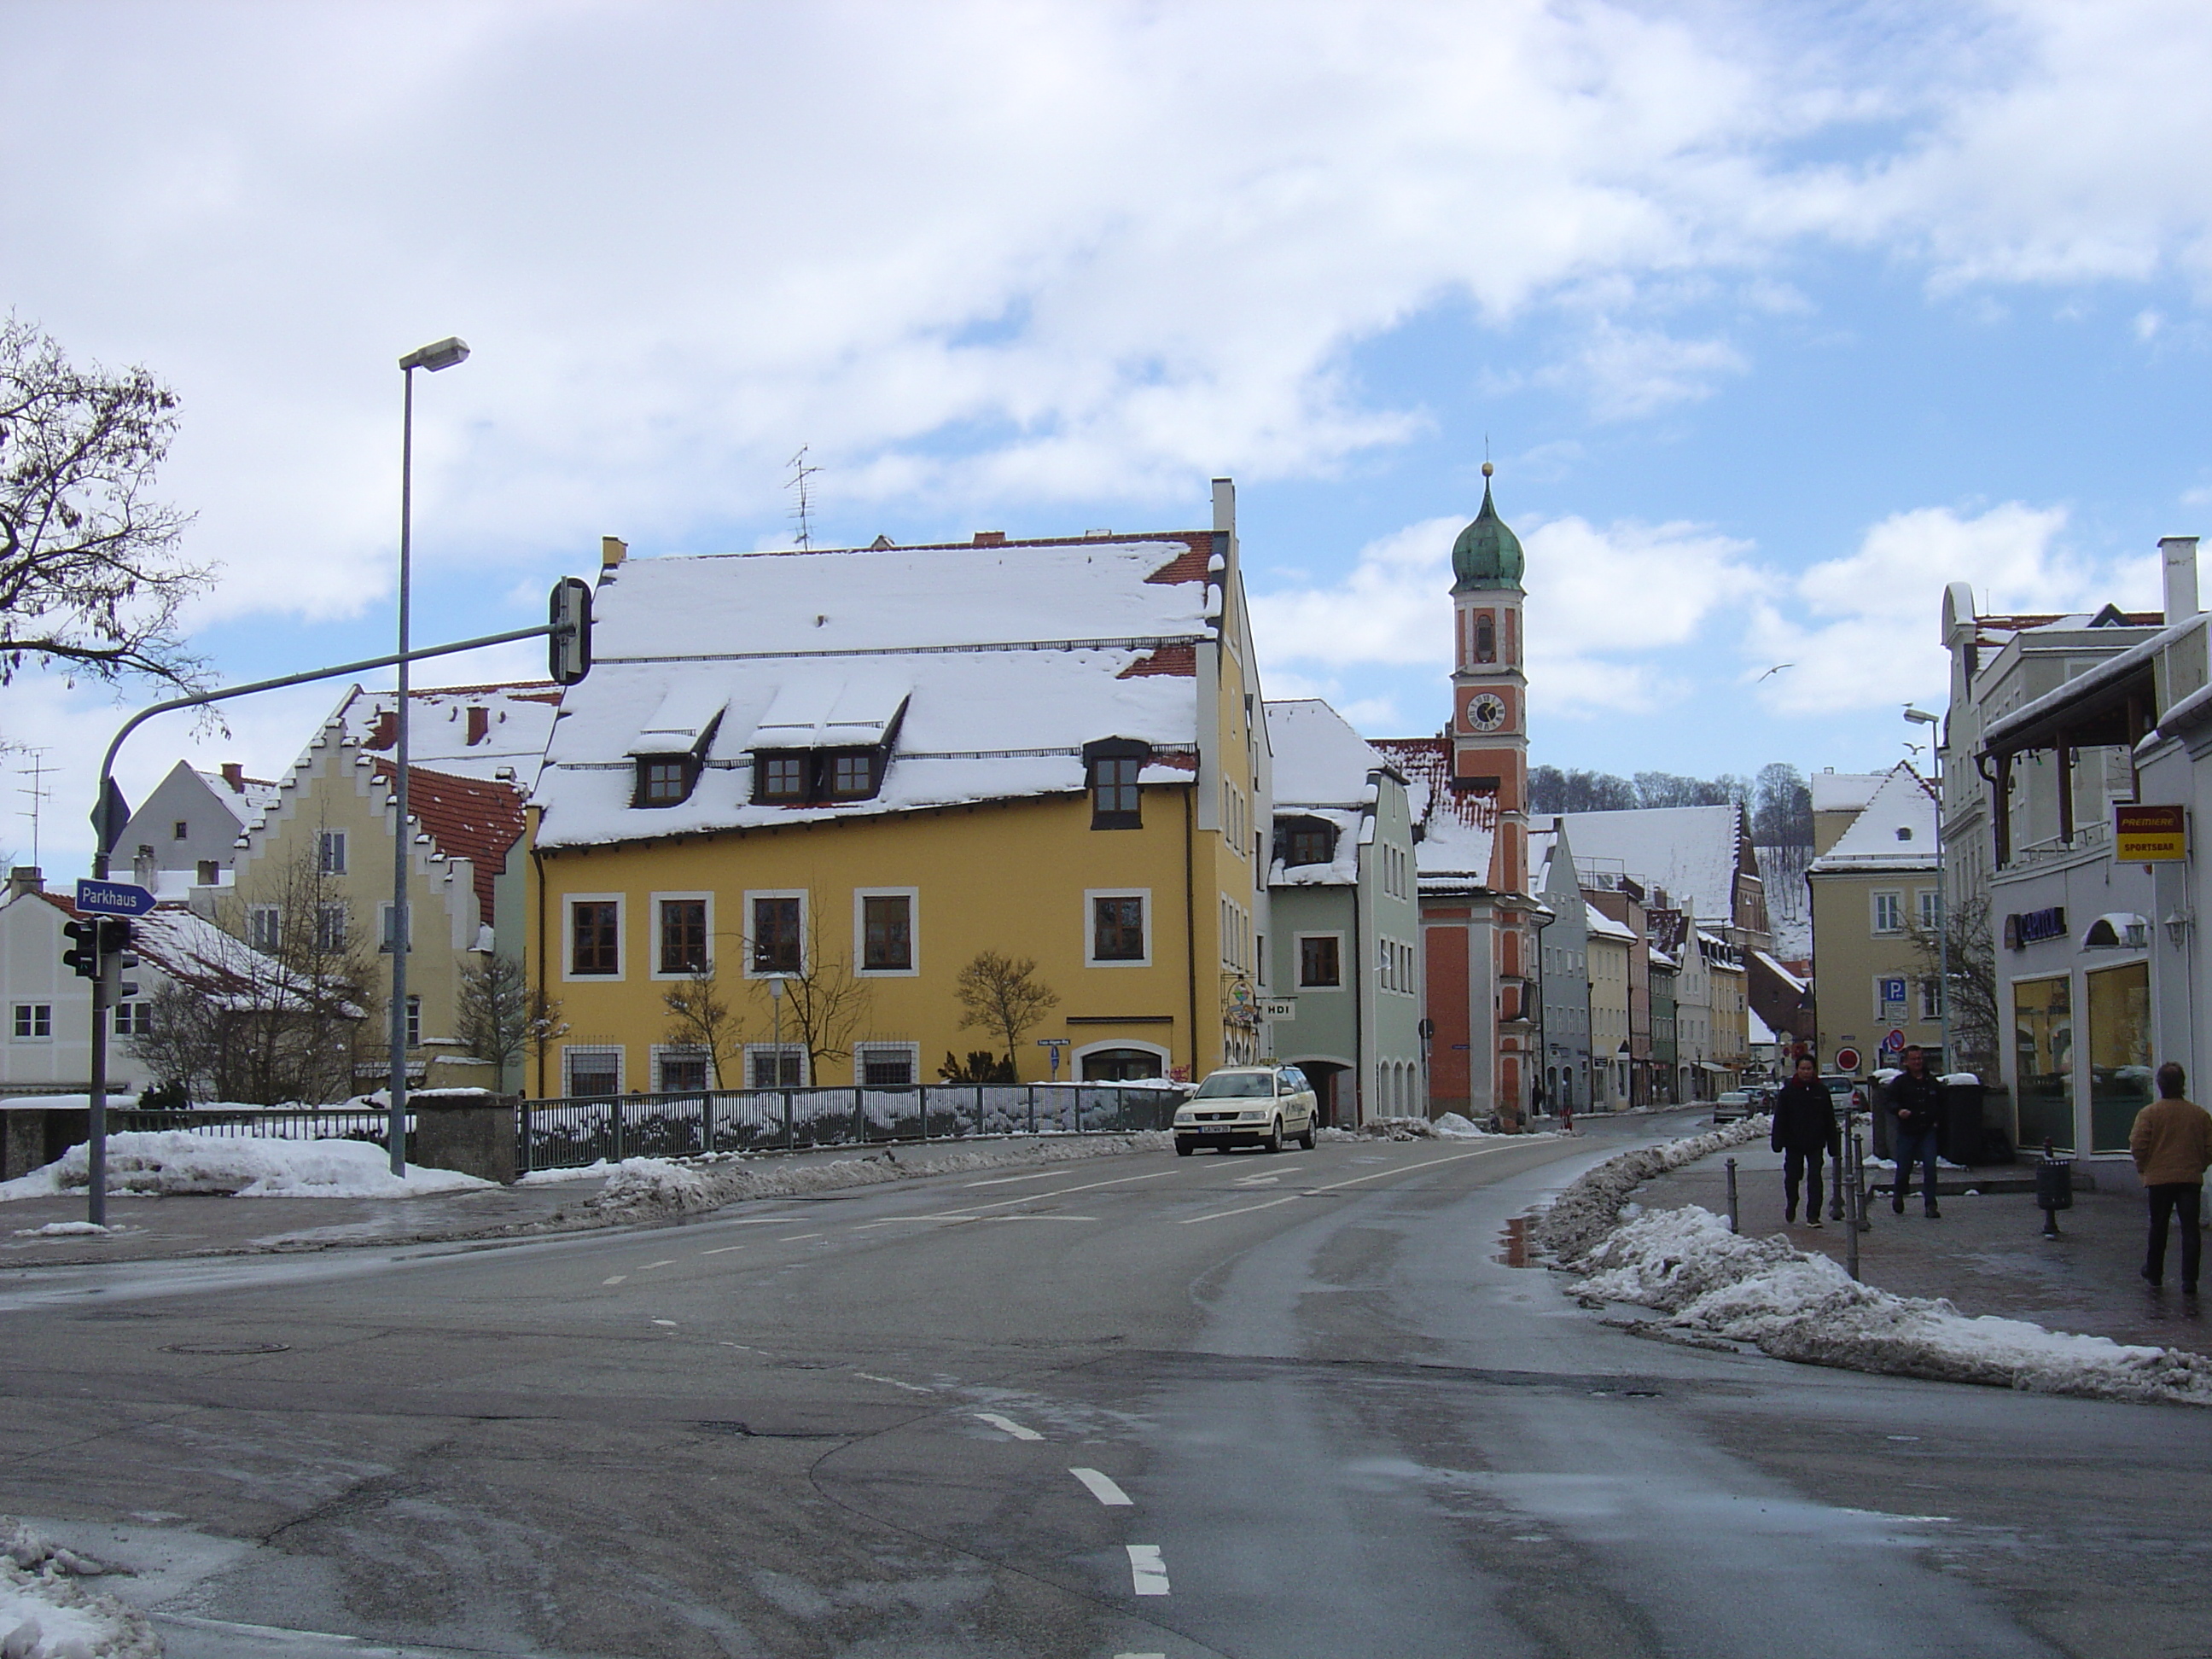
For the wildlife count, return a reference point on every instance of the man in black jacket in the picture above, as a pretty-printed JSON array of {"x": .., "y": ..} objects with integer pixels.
[
  {"x": 1918, "y": 1100},
  {"x": 1804, "y": 1132}
]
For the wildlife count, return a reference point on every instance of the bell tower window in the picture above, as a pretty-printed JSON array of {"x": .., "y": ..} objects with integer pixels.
[{"x": 1485, "y": 638}]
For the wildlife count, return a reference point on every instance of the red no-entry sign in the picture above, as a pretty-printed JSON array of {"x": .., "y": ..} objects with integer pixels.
[{"x": 1847, "y": 1060}]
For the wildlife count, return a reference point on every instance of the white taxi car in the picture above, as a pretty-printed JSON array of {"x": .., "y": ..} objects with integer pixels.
[{"x": 1247, "y": 1106}]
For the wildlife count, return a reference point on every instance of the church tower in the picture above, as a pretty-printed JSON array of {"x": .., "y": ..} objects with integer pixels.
[{"x": 1490, "y": 701}]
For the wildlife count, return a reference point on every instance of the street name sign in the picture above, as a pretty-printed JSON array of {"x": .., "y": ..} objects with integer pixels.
[
  {"x": 2150, "y": 834},
  {"x": 113, "y": 898}
]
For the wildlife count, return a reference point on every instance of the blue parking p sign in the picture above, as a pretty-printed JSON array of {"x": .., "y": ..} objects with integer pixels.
[{"x": 1892, "y": 990}]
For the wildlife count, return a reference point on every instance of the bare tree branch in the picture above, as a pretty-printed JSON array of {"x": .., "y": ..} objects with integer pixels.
[{"x": 1003, "y": 995}]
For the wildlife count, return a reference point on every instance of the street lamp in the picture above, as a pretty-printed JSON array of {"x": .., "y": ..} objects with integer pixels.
[
  {"x": 438, "y": 354},
  {"x": 1922, "y": 717}
]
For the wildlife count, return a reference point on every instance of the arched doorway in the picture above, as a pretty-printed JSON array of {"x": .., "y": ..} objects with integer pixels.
[
  {"x": 1333, "y": 1095},
  {"x": 1120, "y": 1065}
]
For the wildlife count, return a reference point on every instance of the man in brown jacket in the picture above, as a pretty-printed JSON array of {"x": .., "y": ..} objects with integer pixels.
[{"x": 2172, "y": 1144}]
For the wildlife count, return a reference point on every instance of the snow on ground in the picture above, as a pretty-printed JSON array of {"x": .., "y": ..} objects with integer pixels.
[
  {"x": 688, "y": 1186},
  {"x": 178, "y": 1161},
  {"x": 68, "y": 1230},
  {"x": 45, "y": 1614},
  {"x": 1449, "y": 1127},
  {"x": 592, "y": 1171},
  {"x": 1591, "y": 1206},
  {"x": 1794, "y": 1305}
]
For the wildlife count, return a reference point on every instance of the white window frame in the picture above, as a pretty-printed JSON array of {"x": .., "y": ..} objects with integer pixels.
[
  {"x": 1925, "y": 907},
  {"x": 384, "y": 927},
  {"x": 805, "y": 933},
  {"x": 140, "y": 1010},
  {"x": 569, "y": 904},
  {"x": 263, "y": 939},
  {"x": 1298, "y": 961},
  {"x": 570, "y": 1050},
  {"x": 17, "y": 1016},
  {"x": 326, "y": 842},
  {"x": 913, "y": 969},
  {"x": 658, "y": 1052},
  {"x": 326, "y": 938},
  {"x": 912, "y": 1051},
  {"x": 805, "y": 1067},
  {"x": 1090, "y": 895},
  {"x": 1930, "y": 999},
  {"x": 1896, "y": 897},
  {"x": 653, "y": 902},
  {"x": 414, "y": 1021}
]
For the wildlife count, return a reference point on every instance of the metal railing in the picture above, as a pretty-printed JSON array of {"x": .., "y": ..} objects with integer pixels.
[
  {"x": 568, "y": 1133},
  {"x": 255, "y": 1124}
]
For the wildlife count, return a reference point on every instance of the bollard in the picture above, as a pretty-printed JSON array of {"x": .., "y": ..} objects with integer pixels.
[
  {"x": 1858, "y": 1210},
  {"x": 1733, "y": 1218},
  {"x": 1839, "y": 1166}
]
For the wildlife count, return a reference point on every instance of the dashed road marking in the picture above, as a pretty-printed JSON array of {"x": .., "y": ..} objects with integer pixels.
[
  {"x": 722, "y": 1249},
  {"x": 795, "y": 1237},
  {"x": 669, "y": 1262},
  {"x": 616, "y": 1280},
  {"x": 911, "y": 1388},
  {"x": 1288, "y": 1198},
  {"x": 1102, "y": 1487},
  {"x": 1330, "y": 1186},
  {"x": 1007, "y": 1426},
  {"x": 1008, "y": 1181},
  {"x": 669, "y": 1323},
  {"x": 1259, "y": 1180},
  {"x": 1148, "y": 1574}
]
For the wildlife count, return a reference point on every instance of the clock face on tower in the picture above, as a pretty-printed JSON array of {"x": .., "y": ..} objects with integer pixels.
[{"x": 1486, "y": 713}]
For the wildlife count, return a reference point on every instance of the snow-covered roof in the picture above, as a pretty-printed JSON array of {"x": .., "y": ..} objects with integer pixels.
[
  {"x": 464, "y": 731},
  {"x": 985, "y": 668},
  {"x": 1843, "y": 791},
  {"x": 183, "y": 945},
  {"x": 244, "y": 798},
  {"x": 1320, "y": 761},
  {"x": 1602, "y": 926},
  {"x": 1690, "y": 851},
  {"x": 1757, "y": 1029},
  {"x": 1459, "y": 828},
  {"x": 1895, "y": 832},
  {"x": 1794, "y": 982}
]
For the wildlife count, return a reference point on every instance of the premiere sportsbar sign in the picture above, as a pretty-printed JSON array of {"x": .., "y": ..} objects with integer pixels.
[{"x": 2150, "y": 834}]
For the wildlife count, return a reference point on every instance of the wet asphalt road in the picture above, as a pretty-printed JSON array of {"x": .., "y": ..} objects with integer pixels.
[{"x": 1248, "y": 1406}]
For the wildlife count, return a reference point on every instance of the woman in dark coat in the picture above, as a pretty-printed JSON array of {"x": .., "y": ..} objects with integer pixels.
[{"x": 1804, "y": 1132}]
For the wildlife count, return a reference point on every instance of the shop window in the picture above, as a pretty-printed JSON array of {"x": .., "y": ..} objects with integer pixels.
[
  {"x": 2043, "y": 1042},
  {"x": 2119, "y": 1053}
]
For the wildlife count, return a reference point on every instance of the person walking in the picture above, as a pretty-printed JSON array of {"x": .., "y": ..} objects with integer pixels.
[
  {"x": 1918, "y": 1101},
  {"x": 2171, "y": 1141},
  {"x": 1804, "y": 1132}
]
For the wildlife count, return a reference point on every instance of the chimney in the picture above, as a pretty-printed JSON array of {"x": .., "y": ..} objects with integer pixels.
[
  {"x": 613, "y": 550},
  {"x": 25, "y": 878},
  {"x": 233, "y": 774},
  {"x": 2179, "y": 555},
  {"x": 990, "y": 539},
  {"x": 479, "y": 723}
]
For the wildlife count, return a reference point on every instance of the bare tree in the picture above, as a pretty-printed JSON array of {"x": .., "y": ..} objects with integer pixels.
[
  {"x": 277, "y": 1016},
  {"x": 501, "y": 1016},
  {"x": 823, "y": 1003},
  {"x": 1963, "y": 944},
  {"x": 1003, "y": 995},
  {"x": 91, "y": 576},
  {"x": 701, "y": 1017}
]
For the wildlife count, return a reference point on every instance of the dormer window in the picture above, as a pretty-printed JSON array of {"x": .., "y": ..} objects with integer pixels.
[
  {"x": 852, "y": 777},
  {"x": 1111, "y": 767},
  {"x": 664, "y": 780},
  {"x": 795, "y": 777},
  {"x": 1305, "y": 841},
  {"x": 782, "y": 777}
]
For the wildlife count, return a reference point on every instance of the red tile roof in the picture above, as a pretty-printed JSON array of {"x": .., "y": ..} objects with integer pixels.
[{"x": 466, "y": 818}]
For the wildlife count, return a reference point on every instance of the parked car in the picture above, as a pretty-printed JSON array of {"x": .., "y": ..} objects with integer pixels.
[
  {"x": 1848, "y": 1093},
  {"x": 1249, "y": 1106},
  {"x": 1735, "y": 1104}
]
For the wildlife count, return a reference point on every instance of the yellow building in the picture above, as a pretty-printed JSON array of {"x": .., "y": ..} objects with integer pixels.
[
  {"x": 320, "y": 859},
  {"x": 1611, "y": 947},
  {"x": 801, "y": 792},
  {"x": 1873, "y": 889}
]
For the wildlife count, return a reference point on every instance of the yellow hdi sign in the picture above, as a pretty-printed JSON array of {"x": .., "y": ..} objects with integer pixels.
[{"x": 2150, "y": 834}]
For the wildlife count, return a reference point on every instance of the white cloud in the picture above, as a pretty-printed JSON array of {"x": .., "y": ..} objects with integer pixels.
[
  {"x": 1862, "y": 631},
  {"x": 1606, "y": 606}
]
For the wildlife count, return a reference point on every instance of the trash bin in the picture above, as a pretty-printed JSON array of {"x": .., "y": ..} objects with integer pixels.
[
  {"x": 1965, "y": 1139},
  {"x": 2054, "y": 1188}
]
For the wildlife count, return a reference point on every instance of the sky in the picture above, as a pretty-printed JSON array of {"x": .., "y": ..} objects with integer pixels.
[{"x": 1773, "y": 319}]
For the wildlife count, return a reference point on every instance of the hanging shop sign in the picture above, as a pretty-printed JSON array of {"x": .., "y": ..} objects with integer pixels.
[{"x": 2150, "y": 834}]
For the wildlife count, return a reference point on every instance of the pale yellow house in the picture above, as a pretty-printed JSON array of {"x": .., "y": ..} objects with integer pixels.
[
  {"x": 1612, "y": 948},
  {"x": 835, "y": 778},
  {"x": 1871, "y": 888},
  {"x": 328, "y": 833}
]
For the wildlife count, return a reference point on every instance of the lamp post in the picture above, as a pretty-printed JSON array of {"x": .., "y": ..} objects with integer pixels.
[
  {"x": 439, "y": 355},
  {"x": 1922, "y": 717}
]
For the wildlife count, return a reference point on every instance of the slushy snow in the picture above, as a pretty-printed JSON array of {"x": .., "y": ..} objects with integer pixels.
[
  {"x": 180, "y": 1161},
  {"x": 45, "y": 1614},
  {"x": 1708, "y": 1281}
]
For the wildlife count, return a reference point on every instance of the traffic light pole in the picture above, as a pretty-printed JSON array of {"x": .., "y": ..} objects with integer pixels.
[{"x": 569, "y": 631}]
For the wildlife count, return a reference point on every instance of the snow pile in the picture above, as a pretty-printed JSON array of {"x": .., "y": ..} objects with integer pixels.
[
  {"x": 689, "y": 1186},
  {"x": 178, "y": 1161},
  {"x": 1588, "y": 1210},
  {"x": 45, "y": 1615},
  {"x": 1793, "y": 1305},
  {"x": 592, "y": 1171},
  {"x": 68, "y": 1230}
]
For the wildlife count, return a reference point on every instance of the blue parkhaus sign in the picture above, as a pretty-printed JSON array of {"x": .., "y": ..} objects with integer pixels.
[{"x": 113, "y": 898}]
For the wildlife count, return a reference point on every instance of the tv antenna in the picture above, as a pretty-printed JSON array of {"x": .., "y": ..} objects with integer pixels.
[
  {"x": 36, "y": 771},
  {"x": 801, "y": 472}
]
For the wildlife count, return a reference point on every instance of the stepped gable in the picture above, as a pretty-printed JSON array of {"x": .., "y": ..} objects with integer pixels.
[{"x": 466, "y": 818}]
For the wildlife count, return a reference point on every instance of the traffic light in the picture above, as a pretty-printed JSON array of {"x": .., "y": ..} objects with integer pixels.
[
  {"x": 85, "y": 956},
  {"x": 117, "y": 936},
  {"x": 569, "y": 647}
]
